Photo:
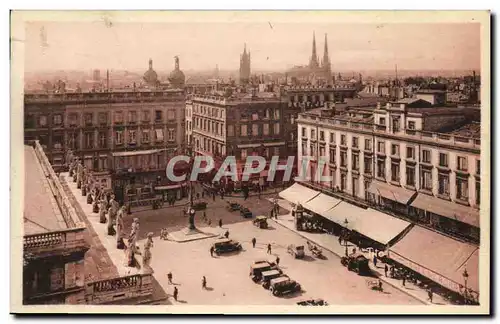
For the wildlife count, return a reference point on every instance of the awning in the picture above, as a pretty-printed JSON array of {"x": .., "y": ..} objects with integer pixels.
[
  {"x": 395, "y": 193},
  {"x": 274, "y": 144},
  {"x": 371, "y": 223},
  {"x": 168, "y": 187},
  {"x": 378, "y": 226},
  {"x": 248, "y": 145},
  {"x": 438, "y": 257},
  {"x": 298, "y": 194},
  {"x": 159, "y": 134},
  {"x": 87, "y": 157},
  {"x": 134, "y": 153},
  {"x": 321, "y": 203},
  {"x": 447, "y": 209}
]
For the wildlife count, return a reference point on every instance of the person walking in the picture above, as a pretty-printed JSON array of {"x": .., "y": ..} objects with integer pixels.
[
  {"x": 375, "y": 261},
  {"x": 212, "y": 251},
  {"x": 404, "y": 280},
  {"x": 380, "y": 285},
  {"x": 269, "y": 248},
  {"x": 220, "y": 222},
  {"x": 213, "y": 196},
  {"x": 204, "y": 283},
  {"x": 340, "y": 240},
  {"x": 430, "y": 294},
  {"x": 254, "y": 240},
  {"x": 169, "y": 276},
  {"x": 176, "y": 293},
  {"x": 277, "y": 260},
  {"x": 386, "y": 268},
  {"x": 226, "y": 234}
]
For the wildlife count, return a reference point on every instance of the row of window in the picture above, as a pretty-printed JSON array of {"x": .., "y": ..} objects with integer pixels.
[
  {"x": 210, "y": 126},
  {"x": 208, "y": 111},
  {"x": 254, "y": 130},
  {"x": 102, "y": 118},
  {"x": 258, "y": 115},
  {"x": 265, "y": 153},
  {"x": 102, "y": 138},
  {"x": 209, "y": 146}
]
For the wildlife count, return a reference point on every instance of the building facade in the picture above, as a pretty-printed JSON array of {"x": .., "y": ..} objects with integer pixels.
[
  {"x": 398, "y": 158},
  {"x": 122, "y": 137},
  {"x": 239, "y": 126}
]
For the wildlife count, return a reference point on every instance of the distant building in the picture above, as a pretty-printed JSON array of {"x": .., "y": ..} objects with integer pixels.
[
  {"x": 245, "y": 66},
  {"x": 435, "y": 97},
  {"x": 150, "y": 76},
  {"x": 96, "y": 75},
  {"x": 177, "y": 78}
]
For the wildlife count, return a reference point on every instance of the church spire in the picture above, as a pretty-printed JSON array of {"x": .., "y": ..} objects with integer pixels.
[
  {"x": 326, "y": 58},
  {"x": 313, "y": 63}
]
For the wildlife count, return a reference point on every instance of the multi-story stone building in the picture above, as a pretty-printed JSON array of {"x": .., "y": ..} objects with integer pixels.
[
  {"x": 123, "y": 137},
  {"x": 239, "y": 125},
  {"x": 419, "y": 162}
]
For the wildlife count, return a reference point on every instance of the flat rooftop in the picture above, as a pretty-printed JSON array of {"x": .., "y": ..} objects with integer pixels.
[{"x": 41, "y": 211}]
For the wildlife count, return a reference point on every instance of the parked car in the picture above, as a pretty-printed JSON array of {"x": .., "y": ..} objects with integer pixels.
[
  {"x": 245, "y": 212},
  {"x": 298, "y": 252},
  {"x": 232, "y": 206},
  {"x": 260, "y": 222},
  {"x": 226, "y": 245},
  {"x": 283, "y": 285},
  {"x": 272, "y": 263},
  {"x": 313, "y": 302},
  {"x": 257, "y": 269},
  {"x": 357, "y": 263},
  {"x": 267, "y": 276}
]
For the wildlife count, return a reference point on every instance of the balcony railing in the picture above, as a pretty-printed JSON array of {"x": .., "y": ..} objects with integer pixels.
[
  {"x": 63, "y": 239},
  {"x": 112, "y": 290},
  {"x": 459, "y": 141}
]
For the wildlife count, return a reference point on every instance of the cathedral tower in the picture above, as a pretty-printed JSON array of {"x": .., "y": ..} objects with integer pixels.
[
  {"x": 314, "y": 62},
  {"x": 245, "y": 66}
]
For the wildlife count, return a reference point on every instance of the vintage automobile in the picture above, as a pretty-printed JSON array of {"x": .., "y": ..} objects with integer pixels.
[
  {"x": 283, "y": 285},
  {"x": 260, "y": 222},
  {"x": 270, "y": 262},
  {"x": 315, "y": 250},
  {"x": 267, "y": 276},
  {"x": 357, "y": 263},
  {"x": 312, "y": 302},
  {"x": 226, "y": 245},
  {"x": 257, "y": 269},
  {"x": 232, "y": 206},
  {"x": 245, "y": 212},
  {"x": 298, "y": 252}
]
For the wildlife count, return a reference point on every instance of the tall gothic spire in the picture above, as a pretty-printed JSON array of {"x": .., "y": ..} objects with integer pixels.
[
  {"x": 313, "y": 63},
  {"x": 326, "y": 58}
]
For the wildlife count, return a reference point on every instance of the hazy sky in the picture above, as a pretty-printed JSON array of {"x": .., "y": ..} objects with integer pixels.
[{"x": 86, "y": 45}]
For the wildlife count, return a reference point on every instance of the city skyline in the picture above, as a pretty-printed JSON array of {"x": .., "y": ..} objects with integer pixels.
[{"x": 129, "y": 46}]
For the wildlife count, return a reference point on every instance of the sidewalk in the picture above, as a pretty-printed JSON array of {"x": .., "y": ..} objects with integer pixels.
[{"x": 331, "y": 243}]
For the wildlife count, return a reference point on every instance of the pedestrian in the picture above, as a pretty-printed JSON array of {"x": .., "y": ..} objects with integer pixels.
[
  {"x": 213, "y": 196},
  {"x": 380, "y": 285},
  {"x": 386, "y": 268},
  {"x": 254, "y": 240},
  {"x": 204, "y": 283},
  {"x": 277, "y": 260},
  {"x": 269, "y": 248},
  {"x": 375, "y": 261},
  {"x": 176, "y": 293},
  {"x": 169, "y": 276},
  {"x": 404, "y": 280},
  {"x": 226, "y": 234},
  {"x": 429, "y": 293},
  {"x": 197, "y": 195},
  {"x": 203, "y": 194},
  {"x": 212, "y": 251},
  {"x": 340, "y": 240},
  {"x": 204, "y": 215},
  {"x": 220, "y": 223},
  {"x": 209, "y": 222},
  {"x": 271, "y": 214}
]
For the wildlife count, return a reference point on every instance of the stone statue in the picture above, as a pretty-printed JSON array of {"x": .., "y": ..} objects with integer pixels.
[
  {"x": 112, "y": 211},
  {"x": 146, "y": 256},
  {"x": 132, "y": 241},
  {"x": 79, "y": 175},
  {"x": 120, "y": 228},
  {"x": 103, "y": 204}
]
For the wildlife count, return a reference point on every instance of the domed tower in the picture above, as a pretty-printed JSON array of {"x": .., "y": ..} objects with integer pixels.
[
  {"x": 150, "y": 76},
  {"x": 177, "y": 78}
]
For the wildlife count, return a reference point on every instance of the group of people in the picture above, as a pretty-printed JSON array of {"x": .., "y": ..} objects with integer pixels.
[{"x": 175, "y": 293}]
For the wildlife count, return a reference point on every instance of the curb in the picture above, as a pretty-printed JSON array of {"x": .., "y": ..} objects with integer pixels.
[{"x": 382, "y": 278}]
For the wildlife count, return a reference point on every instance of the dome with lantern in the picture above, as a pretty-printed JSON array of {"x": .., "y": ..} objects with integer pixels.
[
  {"x": 150, "y": 76},
  {"x": 177, "y": 78}
]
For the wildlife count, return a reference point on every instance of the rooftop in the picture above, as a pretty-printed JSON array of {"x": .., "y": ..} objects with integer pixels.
[
  {"x": 472, "y": 129},
  {"x": 41, "y": 211}
]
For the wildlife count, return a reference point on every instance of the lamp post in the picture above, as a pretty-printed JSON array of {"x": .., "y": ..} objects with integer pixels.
[
  {"x": 190, "y": 211},
  {"x": 346, "y": 223},
  {"x": 466, "y": 276}
]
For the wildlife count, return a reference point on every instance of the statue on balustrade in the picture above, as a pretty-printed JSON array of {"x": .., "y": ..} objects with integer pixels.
[
  {"x": 79, "y": 175},
  {"x": 132, "y": 243},
  {"x": 146, "y": 256},
  {"x": 112, "y": 211},
  {"x": 95, "y": 194},
  {"x": 103, "y": 204},
  {"x": 120, "y": 228}
]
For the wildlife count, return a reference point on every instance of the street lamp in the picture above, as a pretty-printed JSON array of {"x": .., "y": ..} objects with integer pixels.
[
  {"x": 466, "y": 276},
  {"x": 346, "y": 223}
]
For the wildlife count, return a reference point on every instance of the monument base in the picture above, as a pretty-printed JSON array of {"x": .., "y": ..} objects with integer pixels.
[{"x": 187, "y": 234}]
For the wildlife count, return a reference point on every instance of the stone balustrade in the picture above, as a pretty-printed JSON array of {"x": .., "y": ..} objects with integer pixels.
[{"x": 112, "y": 290}]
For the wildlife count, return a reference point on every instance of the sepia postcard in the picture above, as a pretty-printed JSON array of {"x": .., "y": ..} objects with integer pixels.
[{"x": 250, "y": 162}]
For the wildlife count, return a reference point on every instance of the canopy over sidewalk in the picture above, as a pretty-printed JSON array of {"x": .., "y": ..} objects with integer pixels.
[
  {"x": 439, "y": 258},
  {"x": 321, "y": 203},
  {"x": 399, "y": 194},
  {"x": 298, "y": 194}
]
